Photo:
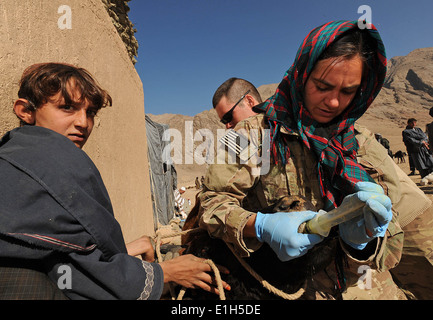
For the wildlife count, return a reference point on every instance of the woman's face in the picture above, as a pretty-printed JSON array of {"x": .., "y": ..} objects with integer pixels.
[{"x": 331, "y": 87}]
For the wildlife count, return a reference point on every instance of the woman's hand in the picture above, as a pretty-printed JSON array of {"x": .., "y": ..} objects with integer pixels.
[
  {"x": 190, "y": 271},
  {"x": 373, "y": 218}
]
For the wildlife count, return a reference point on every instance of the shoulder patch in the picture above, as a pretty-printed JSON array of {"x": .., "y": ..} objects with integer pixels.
[{"x": 239, "y": 144}]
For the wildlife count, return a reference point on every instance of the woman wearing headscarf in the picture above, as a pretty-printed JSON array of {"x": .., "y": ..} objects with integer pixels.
[{"x": 309, "y": 125}]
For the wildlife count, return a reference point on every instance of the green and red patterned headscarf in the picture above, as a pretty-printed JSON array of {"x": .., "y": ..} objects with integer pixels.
[{"x": 337, "y": 165}]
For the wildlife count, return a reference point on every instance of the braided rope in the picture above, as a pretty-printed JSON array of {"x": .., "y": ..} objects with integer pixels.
[
  {"x": 208, "y": 261},
  {"x": 265, "y": 284},
  {"x": 218, "y": 278}
]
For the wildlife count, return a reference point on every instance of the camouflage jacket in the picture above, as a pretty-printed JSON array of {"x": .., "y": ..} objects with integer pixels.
[{"x": 235, "y": 190}]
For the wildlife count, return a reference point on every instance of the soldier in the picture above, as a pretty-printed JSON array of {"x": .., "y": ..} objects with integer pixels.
[
  {"x": 414, "y": 273},
  {"x": 313, "y": 153},
  {"x": 229, "y": 107}
]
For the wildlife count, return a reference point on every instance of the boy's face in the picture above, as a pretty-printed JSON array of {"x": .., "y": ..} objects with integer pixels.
[{"x": 75, "y": 121}]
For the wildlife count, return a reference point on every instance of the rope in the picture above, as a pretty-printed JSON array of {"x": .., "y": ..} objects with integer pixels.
[
  {"x": 208, "y": 261},
  {"x": 264, "y": 283},
  {"x": 218, "y": 279}
]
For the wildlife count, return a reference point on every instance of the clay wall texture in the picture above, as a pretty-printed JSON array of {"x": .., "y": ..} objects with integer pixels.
[{"x": 30, "y": 33}]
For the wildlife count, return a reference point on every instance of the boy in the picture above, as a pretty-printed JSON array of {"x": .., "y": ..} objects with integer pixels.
[{"x": 55, "y": 213}]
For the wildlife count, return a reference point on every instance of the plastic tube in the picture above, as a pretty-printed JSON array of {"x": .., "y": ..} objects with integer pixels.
[{"x": 323, "y": 222}]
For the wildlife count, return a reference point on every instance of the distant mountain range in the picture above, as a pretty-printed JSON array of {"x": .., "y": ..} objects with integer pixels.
[{"x": 408, "y": 89}]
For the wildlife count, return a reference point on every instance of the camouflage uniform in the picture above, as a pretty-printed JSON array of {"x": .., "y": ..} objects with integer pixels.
[
  {"x": 415, "y": 271},
  {"x": 234, "y": 192}
]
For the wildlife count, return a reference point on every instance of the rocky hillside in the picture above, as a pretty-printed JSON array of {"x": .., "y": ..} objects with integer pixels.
[
  {"x": 408, "y": 92},
  {"x": 408, "y": 89}
]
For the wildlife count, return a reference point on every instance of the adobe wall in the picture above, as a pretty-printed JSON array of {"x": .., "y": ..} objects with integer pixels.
[{"x": 30, "y": 33}]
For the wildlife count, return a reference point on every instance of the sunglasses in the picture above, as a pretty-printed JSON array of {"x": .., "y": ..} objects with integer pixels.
[{"x": 228, "y": 116}]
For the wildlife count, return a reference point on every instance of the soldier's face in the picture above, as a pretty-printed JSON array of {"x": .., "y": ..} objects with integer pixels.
[
  {"x": 331, "y": 87},
  {"x": 241, "y": 112}
]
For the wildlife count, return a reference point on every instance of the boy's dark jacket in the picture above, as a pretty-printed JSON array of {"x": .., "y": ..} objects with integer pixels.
[{"x": 55, "y": 210}]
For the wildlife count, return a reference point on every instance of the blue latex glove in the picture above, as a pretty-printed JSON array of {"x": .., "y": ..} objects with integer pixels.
[
  {"x": 375, "y": 216},
  {"x": 280, "y": 231}
]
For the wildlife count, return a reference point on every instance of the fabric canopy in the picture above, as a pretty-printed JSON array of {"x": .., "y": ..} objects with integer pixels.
[{"x": 163, "y": 176}]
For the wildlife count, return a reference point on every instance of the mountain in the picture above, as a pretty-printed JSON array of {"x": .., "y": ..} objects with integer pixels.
[
  {"x": 407, "y": 93},
  {"x": 408, "y": 88}
]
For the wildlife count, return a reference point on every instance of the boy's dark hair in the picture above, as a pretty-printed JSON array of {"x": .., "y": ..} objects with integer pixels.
[
  {"x": 411, "y": 120},
  {"x": 233, "y": 89},
  {"x": 41, "y": 81}
]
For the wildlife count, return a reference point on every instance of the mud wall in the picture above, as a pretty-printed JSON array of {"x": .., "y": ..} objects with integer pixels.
[
  {"x": 118, "y": 11},
  {"x": 82, "y": 32}
]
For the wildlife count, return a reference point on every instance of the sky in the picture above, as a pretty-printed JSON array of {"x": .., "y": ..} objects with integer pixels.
[{"x": 187, "y": 48}]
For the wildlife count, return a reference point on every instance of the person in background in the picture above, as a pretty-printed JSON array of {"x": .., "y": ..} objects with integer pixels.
[
  {"x": 384, "y": 142},
  {"x": 416, "y": 142},
  {"x": 429, "y": 132},
  {"x": 180, "y": 202}
]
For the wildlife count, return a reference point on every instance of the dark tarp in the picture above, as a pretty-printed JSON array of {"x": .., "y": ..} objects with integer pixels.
[{"x": 163, "y": 177}]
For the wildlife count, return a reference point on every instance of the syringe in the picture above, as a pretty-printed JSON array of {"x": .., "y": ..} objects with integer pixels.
[{"x": 323, "y": 222}]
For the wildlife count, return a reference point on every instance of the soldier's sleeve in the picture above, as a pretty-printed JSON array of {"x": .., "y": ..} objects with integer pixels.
[
  {"x": 385, "y": 252},
  {"x": 226, "y": 185},
  {"x": 222, "y": 214}
]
